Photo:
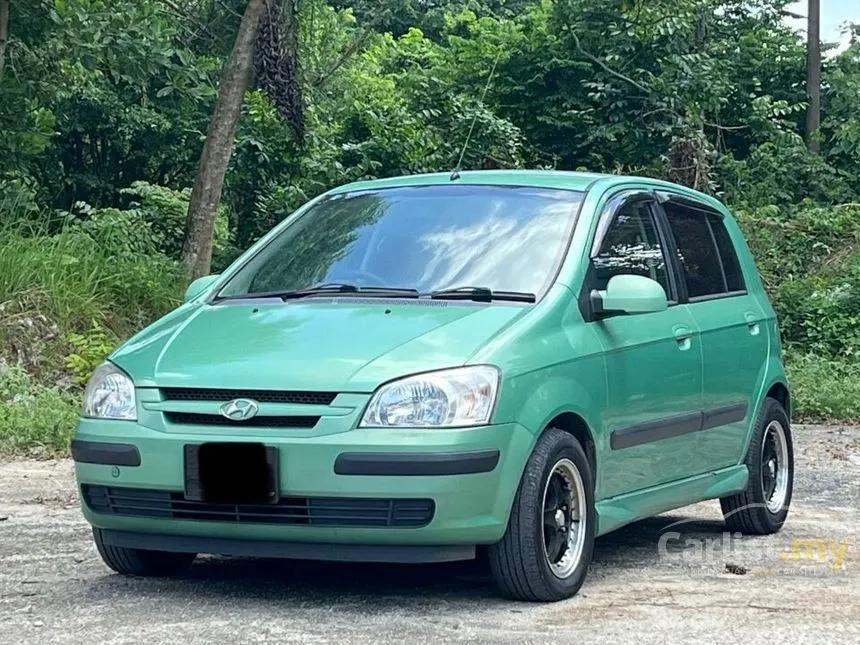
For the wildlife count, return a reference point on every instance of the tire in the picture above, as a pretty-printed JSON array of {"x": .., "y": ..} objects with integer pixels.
[
  {"x": 754, "y": 511},
  {"x": 519, "y": 563},
  {"x": 138, "y": 562}
]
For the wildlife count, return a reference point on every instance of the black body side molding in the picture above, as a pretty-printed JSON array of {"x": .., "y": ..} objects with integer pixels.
[{"x": 676, "y": 426}]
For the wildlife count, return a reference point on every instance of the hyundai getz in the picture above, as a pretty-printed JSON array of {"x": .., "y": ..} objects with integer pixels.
[{"x": 410, "y": 369}]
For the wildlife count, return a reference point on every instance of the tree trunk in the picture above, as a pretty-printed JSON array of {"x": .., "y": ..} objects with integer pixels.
[
  {"x": 206, "y": 194},
  {"x": 813, "y": 75},
  {"x": 4, "y": 33}
]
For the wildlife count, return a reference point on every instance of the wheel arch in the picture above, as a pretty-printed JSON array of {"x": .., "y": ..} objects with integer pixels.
[
  {"x": 574, "y": 406},
  {"x": 576, "y": 426},
  {"x": 775, "y": 387},
  {"x": 781, "y": 393}
]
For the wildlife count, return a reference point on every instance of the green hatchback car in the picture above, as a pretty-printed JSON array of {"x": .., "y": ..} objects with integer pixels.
[{"x": 410, "y": 369}]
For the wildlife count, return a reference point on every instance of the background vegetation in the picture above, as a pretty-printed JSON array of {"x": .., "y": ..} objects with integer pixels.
[{"x": 104, "y": 106}]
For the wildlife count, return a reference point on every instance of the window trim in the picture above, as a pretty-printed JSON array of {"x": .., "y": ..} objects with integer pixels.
[
  {"x": 668, "y": 236},
  {"x": 667, "y": 240},
  {"x": 717, "y": 296},
  {"x": 664, "y": 196},
  {"x": 624, "y": 198},
  {"x": 719, "y": 255},
  {"x": 615, "y": 202}
]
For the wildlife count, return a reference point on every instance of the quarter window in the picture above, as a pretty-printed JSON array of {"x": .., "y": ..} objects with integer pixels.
[
  {"x": 631, "y": 246},
  {"x": 731, "y": 265},
  {"x": 705, "y": 251}
]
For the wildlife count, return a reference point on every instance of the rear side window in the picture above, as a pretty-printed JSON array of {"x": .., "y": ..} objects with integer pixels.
[
  {"x": 731, "y": 265},
  {"x": 705, "y": 251}
]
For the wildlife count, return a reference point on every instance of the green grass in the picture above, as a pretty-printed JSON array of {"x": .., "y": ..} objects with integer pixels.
[
  {"x": 77, "y": 280},
  {"x": 824, "y": 390},
  {"x": 35, "y": 420}
]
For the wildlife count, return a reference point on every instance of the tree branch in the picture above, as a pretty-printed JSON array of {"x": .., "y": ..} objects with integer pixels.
[
  {"x": 348, "y": 53},
  {"x": 594, "y": 59},
  {"x": 179, "y": 11},
  {"x": 725, "y": 127}
]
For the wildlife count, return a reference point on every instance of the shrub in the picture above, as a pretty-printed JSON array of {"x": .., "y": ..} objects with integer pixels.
[
  {"x": 164, "y": 210},
  {"x": 90, "y": 350},
  {"x": 35, "y": 420},
  {"x": 821, "y": 314},
  {"x": 809, "y": 258},
  {"x": 18, "y": 198},
  {"x": 822, "y": 389},
  {"x": 120, "y": 234}
]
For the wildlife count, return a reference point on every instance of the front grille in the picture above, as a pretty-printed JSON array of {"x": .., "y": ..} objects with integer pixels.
[
  {"x": 315, "y": 511},
  {"x": 194, "y": 418},
  {"x": 262, "y": 396}
]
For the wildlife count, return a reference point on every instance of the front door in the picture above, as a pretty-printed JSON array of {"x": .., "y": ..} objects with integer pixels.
[
  {"x": 732, "y": 323},
  {"x": 653, "y": 360}
]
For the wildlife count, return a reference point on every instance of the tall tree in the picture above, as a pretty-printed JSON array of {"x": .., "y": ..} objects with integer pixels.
[
  {"x": 813, "y": 75},
  {"x": 206, "y": 194}
]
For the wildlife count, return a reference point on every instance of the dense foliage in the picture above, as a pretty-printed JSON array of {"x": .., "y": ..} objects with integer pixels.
[{"x": 104, "y": 105}]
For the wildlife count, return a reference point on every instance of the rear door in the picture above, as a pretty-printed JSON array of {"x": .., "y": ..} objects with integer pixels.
[
  {"x": 653, "y": 360},
  {"x": 731, "y": 321}
]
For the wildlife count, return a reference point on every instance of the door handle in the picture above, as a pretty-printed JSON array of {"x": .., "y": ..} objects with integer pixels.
[
  {"x": 682, "y": 336},
  {"x": 752, "y": 323}
]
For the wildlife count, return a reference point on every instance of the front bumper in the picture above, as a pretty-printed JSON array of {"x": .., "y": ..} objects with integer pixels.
[{"x": 470, "y": 509}]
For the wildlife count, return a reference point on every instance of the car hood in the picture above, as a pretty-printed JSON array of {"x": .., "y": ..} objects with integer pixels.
[{"x": 338, "y": 344}]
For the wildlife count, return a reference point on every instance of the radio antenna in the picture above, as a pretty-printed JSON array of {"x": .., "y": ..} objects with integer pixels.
[{"x": 455, "y": 174}]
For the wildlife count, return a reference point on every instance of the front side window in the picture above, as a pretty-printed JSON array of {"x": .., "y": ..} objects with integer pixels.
[
  {"x": 631, "y": 246},
  {"x": 426, "y": 238},
  {"x": 698, "y": 234}
]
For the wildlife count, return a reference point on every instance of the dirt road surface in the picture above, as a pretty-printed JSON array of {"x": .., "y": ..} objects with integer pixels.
[{"x": 777, "y": 589}]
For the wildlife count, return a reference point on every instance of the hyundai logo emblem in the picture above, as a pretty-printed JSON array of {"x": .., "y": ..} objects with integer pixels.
[{"x": 239, "y": 409}]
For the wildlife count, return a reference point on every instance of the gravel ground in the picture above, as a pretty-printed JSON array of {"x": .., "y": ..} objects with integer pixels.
[{"x": 54, "y": 588}]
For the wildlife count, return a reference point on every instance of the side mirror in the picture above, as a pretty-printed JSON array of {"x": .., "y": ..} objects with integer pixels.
[
  {"x": 199, "y": 286},
  {"x": 629, "y": 294}
]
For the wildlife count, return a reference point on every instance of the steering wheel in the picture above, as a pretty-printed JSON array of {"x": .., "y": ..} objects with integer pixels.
[{"x": 361, "y": 277}]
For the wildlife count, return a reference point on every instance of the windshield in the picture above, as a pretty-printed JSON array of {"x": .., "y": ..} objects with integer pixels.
[{"x": 426, "y": 238}]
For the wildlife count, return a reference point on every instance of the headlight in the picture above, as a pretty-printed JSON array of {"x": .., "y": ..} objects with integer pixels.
[
  {"x": 110, "y": 394},
  {"x": 453, "y": 398}
]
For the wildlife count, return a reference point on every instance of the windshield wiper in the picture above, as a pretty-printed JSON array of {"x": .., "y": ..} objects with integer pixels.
[
  {"x": 343, "y": 287},
  {"x": 480, "y": 294},
  {"x": 329, "y": 288}
]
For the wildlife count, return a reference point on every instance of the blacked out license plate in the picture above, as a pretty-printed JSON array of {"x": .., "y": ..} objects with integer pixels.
[{"x": 231, "y": 473}]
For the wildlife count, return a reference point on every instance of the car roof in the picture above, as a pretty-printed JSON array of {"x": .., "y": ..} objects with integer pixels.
[
  {"x": 559, "y": 179},
  {"x": 537, "y": 178}
]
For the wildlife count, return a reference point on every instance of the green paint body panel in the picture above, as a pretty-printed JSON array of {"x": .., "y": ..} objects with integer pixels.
[{"x": 614, "y": 373}]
